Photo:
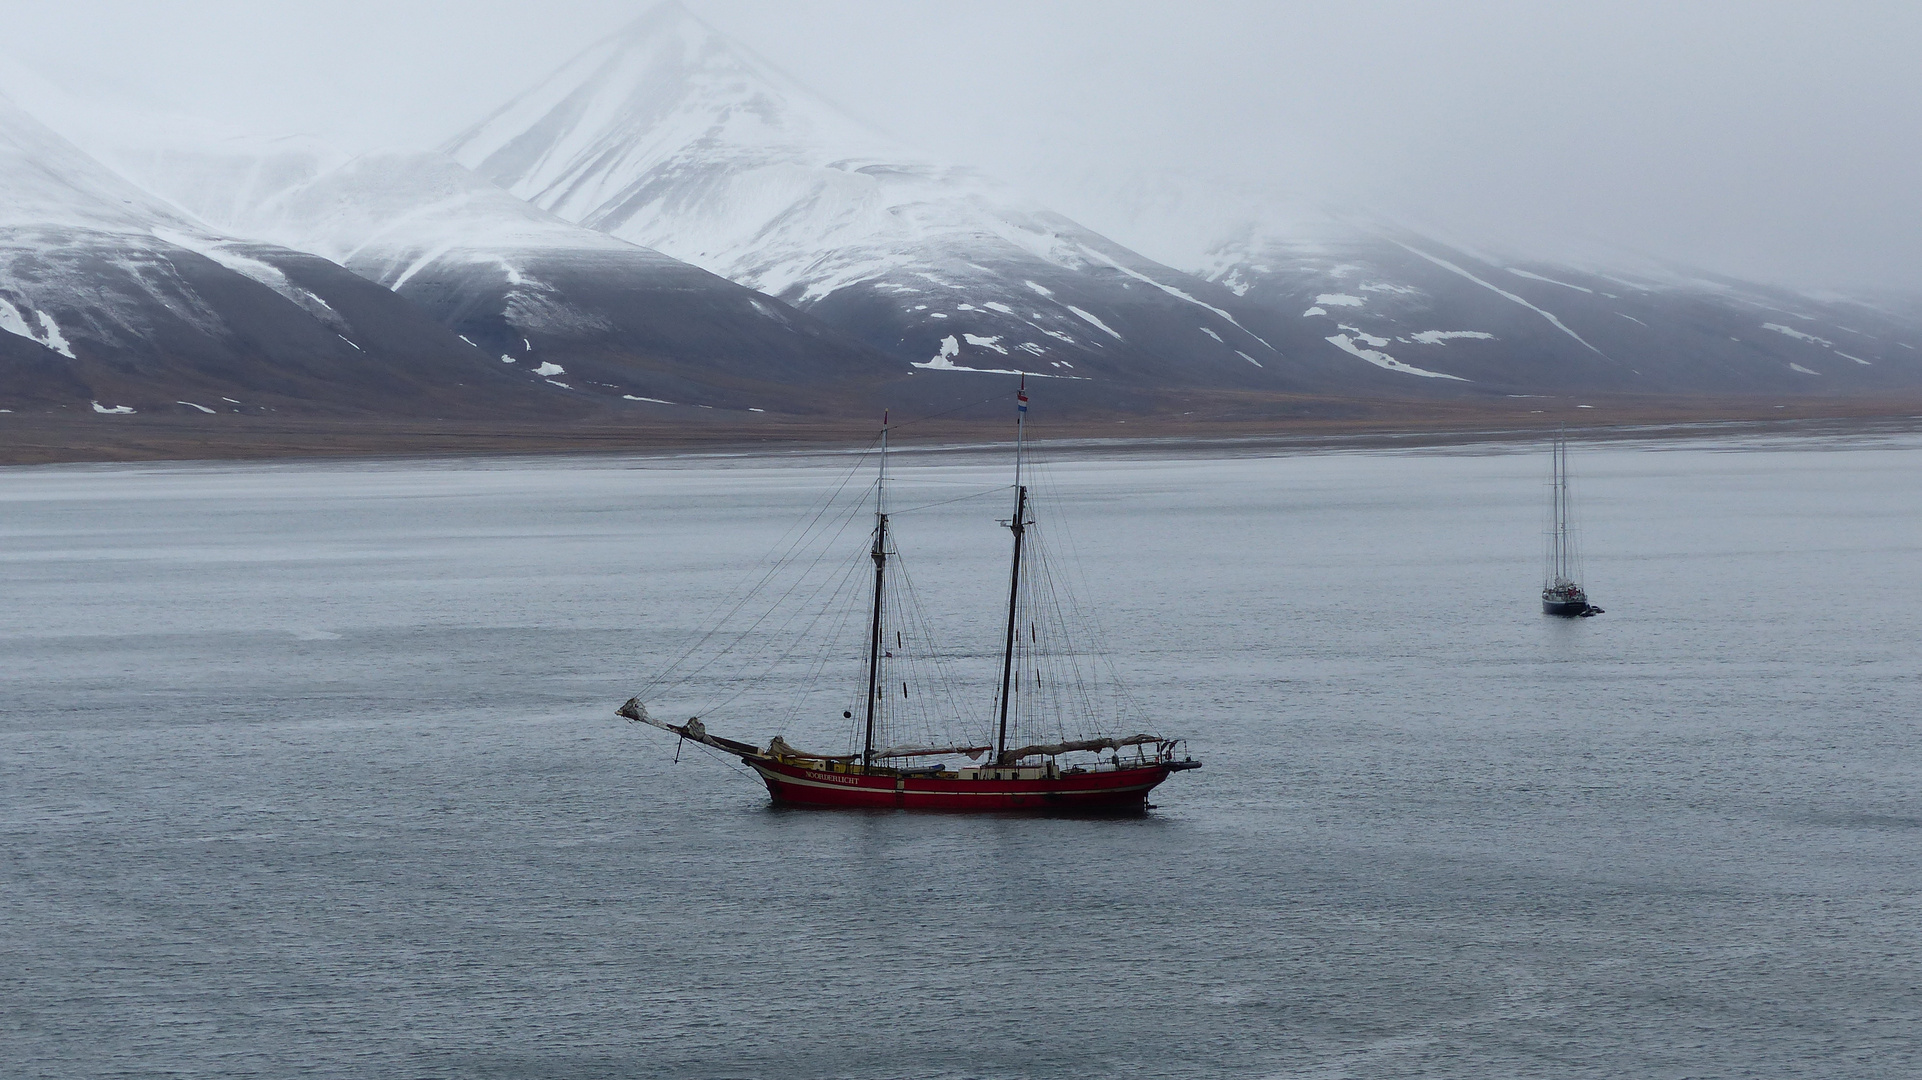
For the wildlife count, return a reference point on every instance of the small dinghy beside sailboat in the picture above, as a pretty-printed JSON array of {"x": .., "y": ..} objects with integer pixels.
[{"x": 1008, "y": 768}]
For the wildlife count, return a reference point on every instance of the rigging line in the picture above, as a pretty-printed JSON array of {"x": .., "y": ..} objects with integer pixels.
[
  {"x": 942, "y": 665},
  {"x": 941, "y": 685},
  {"x": 1065, "y": 601},
  {"x": 938, "y": 690},
  {"x": 1064, "y": 668},
  {"x": 1100, "y": 646},
  {"x": 1000, "y": 490},
  {"x": 778, "y": 558},
  {"x": 920, "y": 665},
  {"x": 830, "y": 651},
  {"x": 1080, "y": 680},
  {"x": 774, "y": 564},
  {"x": 765, "y": 615},
  {"x": 805, "y": 528},
  {"x": 734, "y": 646},
  {"x": 806, "y": 633},
  {"x": 778, "y": 603},
  {"x": 906, "y": 477},
  {"x": 731, "y": 766},
  {"x": 834, "y": 646},
  {"x": 829, "y": 583},
  {"x": 1081, "y": 692}
]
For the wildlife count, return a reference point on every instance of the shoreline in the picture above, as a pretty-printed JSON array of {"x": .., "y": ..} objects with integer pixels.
[{"x": 40, "y": 439}]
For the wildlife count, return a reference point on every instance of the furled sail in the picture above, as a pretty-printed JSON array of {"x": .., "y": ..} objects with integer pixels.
[
  {"x": 1051, "y": 749},
  {"x": 932, "y": 751},
  {"x": 779, "y": 747},
  {"x": 693, "y": 730}
]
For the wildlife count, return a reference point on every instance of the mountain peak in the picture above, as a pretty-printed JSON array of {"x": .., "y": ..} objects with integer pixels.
[
  {"x": 666, "y": 30},
  {"x": 671, "y": 135},
  {"x": 664, "y": 17},
  {"x": 664, "y": 91}
]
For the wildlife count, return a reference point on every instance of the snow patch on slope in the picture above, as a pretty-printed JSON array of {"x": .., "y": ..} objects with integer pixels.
[
  {"x": 255, "y": 269},
  {"x": 1091, "y": 320},
  {"x": 1174, "y": 292},
  {"x": 1798, "y": 335},
  {"x": 1551, "y": 281},
  {"x": 53, "y": 338},
  {"x": 1436, "y": 337},
  {"x": 951, "y": 348},
  {"x": 1385, "y": 361},
  {"x": 48, "y": 334},
  {"x": 1499, "y": 291},
  {"x": 1363, "y": 336}
]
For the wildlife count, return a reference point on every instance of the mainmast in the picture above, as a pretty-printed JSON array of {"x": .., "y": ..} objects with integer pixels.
[
  {"x": 1561, "y": 504},
  {"x": 1018, "y": 524},
  {"x": 880, "y": 555}
]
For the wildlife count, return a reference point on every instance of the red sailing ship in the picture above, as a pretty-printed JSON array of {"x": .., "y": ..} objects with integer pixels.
[{"x": 1089, "y": 773}]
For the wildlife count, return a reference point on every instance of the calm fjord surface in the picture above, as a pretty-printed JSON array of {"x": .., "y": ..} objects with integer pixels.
[{"x": 312, "y": 770}]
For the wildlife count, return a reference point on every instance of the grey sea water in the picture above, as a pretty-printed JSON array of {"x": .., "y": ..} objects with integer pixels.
[{"x": 311, "y": 770}]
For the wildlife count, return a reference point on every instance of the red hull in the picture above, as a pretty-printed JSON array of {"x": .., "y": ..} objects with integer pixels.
[{"x": 1122, "y": 790}]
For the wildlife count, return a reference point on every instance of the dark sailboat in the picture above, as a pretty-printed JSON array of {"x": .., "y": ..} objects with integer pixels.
[
  {"x": 1561, "y": 595},
  {"x": 1061, "y": 773}
]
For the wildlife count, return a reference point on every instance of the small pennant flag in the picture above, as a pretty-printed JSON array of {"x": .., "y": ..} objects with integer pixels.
[{"x": 1021, "y": 396}]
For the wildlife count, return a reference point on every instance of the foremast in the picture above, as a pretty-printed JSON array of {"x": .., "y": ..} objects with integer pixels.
[
  {"x": 1017, "y": 524},
  {"x": 880, "y": 555}
]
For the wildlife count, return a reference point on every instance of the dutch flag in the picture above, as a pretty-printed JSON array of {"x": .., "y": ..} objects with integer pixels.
[{"x": 1021, "y": 397}]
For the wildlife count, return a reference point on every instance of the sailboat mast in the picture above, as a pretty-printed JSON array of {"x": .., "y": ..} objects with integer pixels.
[
  {"x": 880, "y": 555},
  {"x": 1019, "y": 527},
  {"x": 1561, "y": 504}
]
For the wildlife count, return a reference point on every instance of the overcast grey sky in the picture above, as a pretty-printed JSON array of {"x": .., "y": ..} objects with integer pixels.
[{"x": 1774, "y": 140}]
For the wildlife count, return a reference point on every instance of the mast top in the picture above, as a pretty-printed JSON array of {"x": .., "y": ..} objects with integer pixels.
[
  {"x": 881, "y": 474},
  {"x": 1020, "y": 424}
]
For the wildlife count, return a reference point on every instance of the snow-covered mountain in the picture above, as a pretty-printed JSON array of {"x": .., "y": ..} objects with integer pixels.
[
  {"x": 116, "y": 301},
  {"x": 1411, "y": 301},
  {"x": 669, "y": 221},
  {"x": 671, "y": 135},
  {"x": 586, "y": 311},
  {"x": 1415, "y": 304}
]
